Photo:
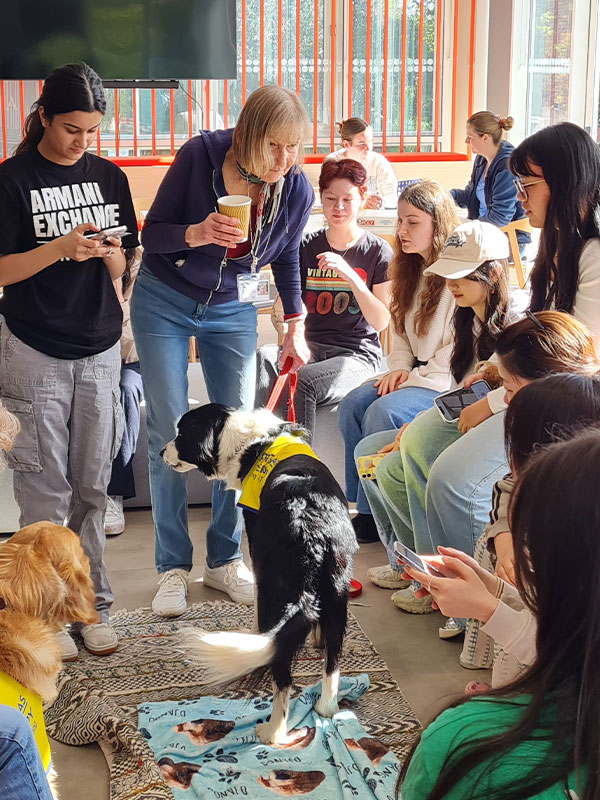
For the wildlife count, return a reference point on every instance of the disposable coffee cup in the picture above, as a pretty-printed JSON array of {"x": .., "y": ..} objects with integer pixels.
[{"x": 237, "y": 206}]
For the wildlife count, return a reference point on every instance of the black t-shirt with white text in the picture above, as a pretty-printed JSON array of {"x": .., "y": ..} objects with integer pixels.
[
  {"x": 333, "y": 314},
  {"x": 69, "y": 309}
]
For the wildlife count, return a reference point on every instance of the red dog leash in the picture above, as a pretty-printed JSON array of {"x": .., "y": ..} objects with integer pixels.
[{"x": 280, "y": 383}]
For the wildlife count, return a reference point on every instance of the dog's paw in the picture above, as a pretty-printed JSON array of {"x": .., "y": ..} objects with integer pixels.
[
  {"x": 326, "y": 708},
  {"x": 265, "y": 732},
  {"x": 280, "y": 737}
]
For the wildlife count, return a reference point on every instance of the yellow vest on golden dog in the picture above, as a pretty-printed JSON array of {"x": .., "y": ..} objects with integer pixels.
[{"x": 14, "y": 694}]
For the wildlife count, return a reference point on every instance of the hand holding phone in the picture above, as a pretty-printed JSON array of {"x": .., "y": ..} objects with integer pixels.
[
  {"x": 411, "y": 559},
  {"x": 450, "y": 404},
  {"x": 103, "y": 236}
]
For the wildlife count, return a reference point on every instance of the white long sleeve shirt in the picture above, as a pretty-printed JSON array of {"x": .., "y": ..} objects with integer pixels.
[
  {"x": 426, "y": 357},
  {"x": 586, "y": 308}
]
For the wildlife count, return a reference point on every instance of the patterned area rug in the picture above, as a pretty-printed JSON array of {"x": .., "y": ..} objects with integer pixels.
[{"x": 98, "y": 697}]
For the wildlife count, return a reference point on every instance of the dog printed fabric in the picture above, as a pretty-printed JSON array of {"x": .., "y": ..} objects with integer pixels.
[{"x": 207, "y": 748}]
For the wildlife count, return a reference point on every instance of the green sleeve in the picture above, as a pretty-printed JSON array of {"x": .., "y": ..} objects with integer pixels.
[{"x": 421, "y": 774}]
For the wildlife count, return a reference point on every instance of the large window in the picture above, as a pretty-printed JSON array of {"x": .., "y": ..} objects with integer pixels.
[
  {"x": 377, "y": 59},
  {"x": 399, "y": 64},
  {"x": 549, "y": 63}
]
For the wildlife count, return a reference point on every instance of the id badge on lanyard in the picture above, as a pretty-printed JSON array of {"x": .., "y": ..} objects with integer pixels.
[{"x": 252, "y": 287}]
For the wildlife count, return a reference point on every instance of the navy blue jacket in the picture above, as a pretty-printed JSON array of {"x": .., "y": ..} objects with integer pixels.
[
  {"x": 187, "y": 195},
  {"x": 499, "y": 190}
]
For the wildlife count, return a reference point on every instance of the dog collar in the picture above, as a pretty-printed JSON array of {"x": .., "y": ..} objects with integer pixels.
[
  {"x": 283, "y": 447},
  {"x": 29, "y": 703}
]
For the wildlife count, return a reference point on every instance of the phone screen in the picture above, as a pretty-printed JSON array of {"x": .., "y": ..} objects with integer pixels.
[
  {"x": 452, "y": 403},
  {"x": 410, "y": 558}
]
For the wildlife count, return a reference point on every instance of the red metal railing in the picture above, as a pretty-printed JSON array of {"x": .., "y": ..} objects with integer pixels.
[{"x": 400, "y": 96}]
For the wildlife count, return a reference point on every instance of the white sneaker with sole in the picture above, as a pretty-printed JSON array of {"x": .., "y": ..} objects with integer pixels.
[
  {"x": 387, "y": 577},
  {"x": 68, "y": 648},
  {"x": 451, "y": 629},
  {"x": 233, "y": 578},
  {"x": 99, "y": 639},
  {"x": 114, "y": 519},
  {"x": 171, "y": 598},
  {"x": 406, "y": 600}
]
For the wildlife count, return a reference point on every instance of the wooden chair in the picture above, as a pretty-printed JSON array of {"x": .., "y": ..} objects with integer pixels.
[{"x": 511, "y": 231}]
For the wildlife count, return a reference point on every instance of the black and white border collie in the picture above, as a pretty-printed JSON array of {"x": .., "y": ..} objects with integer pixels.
[{"x": 301, "y": 544}]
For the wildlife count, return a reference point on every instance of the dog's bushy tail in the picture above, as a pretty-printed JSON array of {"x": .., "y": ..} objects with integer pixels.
[{"x": 228, "y": 655}]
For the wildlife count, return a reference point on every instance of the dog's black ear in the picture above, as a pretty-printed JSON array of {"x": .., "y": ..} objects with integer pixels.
[{"x": 200, "y": 435}]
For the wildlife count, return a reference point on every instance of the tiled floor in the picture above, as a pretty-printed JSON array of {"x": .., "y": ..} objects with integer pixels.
[{"x": 425, "y": 667}]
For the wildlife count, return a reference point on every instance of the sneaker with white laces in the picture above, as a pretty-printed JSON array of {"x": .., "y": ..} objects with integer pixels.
[
  {"x": 387, "y": 577},
  {"x": 406, "y": 600},
  {"x": 99, "y": 639},
  {"x": 114, "y": 519},
  {"x": 170, "y": 599},
  {"x": 68, "y": 648},
  {"x": 233, "y": 578}
]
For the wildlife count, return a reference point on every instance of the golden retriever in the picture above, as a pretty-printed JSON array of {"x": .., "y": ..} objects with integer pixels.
[{"x": 44, "y": 583}]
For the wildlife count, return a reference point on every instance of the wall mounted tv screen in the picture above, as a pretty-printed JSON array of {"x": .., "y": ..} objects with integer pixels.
[{"x": 120, "y": 39}]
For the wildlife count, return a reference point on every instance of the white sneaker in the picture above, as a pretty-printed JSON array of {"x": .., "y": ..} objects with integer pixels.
[
  {"x": 171, "y": 598},
  {"x": 68, "y": 648},
  {"x": 387, "y": 577},
  {"x": 99, "y": 639},
  {"x": 114, "y": 519},
  {"x": 233, "y": 578},
  {"x": 406, "y": 600}
]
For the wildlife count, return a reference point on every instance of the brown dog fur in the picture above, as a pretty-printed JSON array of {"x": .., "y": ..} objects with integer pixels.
[{"x": 45, "y": 583}]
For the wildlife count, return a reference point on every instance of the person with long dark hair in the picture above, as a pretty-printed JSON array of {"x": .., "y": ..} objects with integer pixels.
[
  {"x": 345, "y": 290},
  {"x": 419, "y": 363},
  {"x": 558, "y": 179},
  {"x": 538, "y": 736},
  {"x": 60, "y": 360}
]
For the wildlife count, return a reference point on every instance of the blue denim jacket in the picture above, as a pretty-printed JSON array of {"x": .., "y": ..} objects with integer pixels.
[{"x": 500, "y": 193}]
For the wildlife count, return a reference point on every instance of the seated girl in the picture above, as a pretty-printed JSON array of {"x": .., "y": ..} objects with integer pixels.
[
  {"x": 357, "y": 143},
  {"x": 557, "y": 405},
  {"x": 421, "y": 309},
  {"x": 475, "y": 263},
  {"x": 535, "y": 346},
  {"x": 538, "y": 736},
  {"x": 346, "y": 293}
]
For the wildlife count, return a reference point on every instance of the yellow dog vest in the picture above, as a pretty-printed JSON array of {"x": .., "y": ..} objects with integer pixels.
[
  {"x": 14, "y": 694},
  {"x": 283, "y": 447}
]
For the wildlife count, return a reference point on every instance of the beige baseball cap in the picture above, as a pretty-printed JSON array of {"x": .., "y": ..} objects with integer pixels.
[{"x": 467, "y": 248}]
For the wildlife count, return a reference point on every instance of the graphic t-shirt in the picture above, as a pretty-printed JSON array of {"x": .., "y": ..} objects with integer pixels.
[
  {"x": 69, "y": 309},
  {"x": 333, "y": 314}
]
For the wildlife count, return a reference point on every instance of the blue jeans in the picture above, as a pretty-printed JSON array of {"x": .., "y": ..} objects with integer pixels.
[
  {"x": 163, "y": 321},
  {"x": 440, "y": 482},
  {"x": 22, "y": 775},
  {"x": 362, "y": 412}
]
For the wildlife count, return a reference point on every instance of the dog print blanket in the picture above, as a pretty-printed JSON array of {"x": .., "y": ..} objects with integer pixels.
[{"x": 207, "y": 748}]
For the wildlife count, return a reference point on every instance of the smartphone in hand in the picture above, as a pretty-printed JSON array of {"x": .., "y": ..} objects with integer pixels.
[
  {"x": 103, "y": 236},
  {"x": 411, "y": 559},
  {"x": 450, "y": 404}
]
